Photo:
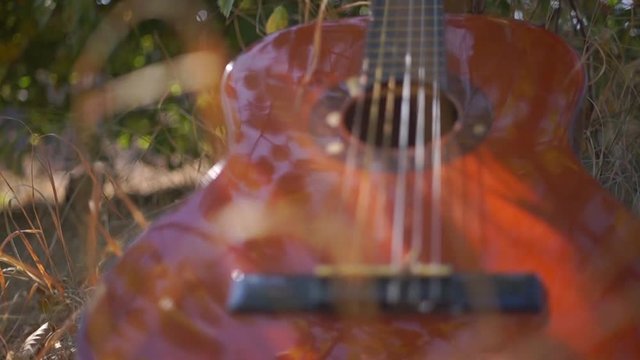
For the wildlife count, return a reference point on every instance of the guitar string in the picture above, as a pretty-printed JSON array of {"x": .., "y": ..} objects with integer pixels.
[
  {"x": 389, "y": 114},
  {"x": 417, "y": 232},
  {"x": 387, "y": 130},
  {"x": 400, "y": 195},
  {"x": 371, "y": 138},
  {"x": 386, "y": 135},
  {"x": 351, "y": 164},
  {"x": 364, "y": 192},
  {"x": 374, "y": 173},
  {"x": 436, "y": 150}
]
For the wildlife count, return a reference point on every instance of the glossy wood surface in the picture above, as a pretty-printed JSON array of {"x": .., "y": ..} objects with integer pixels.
[{"x": 519, "y": 202}]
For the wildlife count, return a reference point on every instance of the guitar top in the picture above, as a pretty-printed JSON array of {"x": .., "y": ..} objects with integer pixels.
[{"x": 301, "y": 189}]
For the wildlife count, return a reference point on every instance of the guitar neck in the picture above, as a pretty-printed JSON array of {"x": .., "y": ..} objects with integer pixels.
[{"x": 406, "y": 36}]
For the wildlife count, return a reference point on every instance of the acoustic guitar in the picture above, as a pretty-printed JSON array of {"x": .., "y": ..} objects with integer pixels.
[{"x": 400, "y": 186}]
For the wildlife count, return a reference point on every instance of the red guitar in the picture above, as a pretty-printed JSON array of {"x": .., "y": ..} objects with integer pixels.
[{"x": 404, "y": 188}]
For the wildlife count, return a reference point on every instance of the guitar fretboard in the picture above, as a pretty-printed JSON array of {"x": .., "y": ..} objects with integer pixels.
[{"x": 406, "y": 27}]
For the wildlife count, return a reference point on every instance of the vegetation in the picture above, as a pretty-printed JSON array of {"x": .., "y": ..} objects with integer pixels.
[{"x": 49, "y": 262}]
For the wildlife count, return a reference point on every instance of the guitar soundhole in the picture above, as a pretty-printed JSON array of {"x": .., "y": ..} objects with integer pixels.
[
  {"x": 346, "y": 112},
  {"x": 377, "y": 120}
]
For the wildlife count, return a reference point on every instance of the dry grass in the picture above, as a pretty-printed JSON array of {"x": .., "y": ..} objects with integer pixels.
[
  {"x": 46, "y": 273},
  {"x": 612, "y": 139}
]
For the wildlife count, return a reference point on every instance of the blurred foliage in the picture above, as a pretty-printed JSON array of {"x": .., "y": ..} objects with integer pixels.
[{"x": 41, "y": 39}]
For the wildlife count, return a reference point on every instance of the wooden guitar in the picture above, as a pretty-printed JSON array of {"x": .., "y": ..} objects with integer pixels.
[{"x": 402, "y": 186}]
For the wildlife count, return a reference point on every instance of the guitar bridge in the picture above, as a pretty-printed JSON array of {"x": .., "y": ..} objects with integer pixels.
[{"x": 356, "y": 292}]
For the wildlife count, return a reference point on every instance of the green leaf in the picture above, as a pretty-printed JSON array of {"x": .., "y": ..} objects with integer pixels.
[
  {"x": 225, "y": 6},
  {"x": 247, "y": 5},
  {"x": 364, "y": 11},
  {"x": 124, "y": 140},
  {"x": 278, "y": 20},
  {"x": 144, "y": 142}
]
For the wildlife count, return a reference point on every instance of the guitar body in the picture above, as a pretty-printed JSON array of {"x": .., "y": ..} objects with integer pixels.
[{"x": 517, "y": 202}]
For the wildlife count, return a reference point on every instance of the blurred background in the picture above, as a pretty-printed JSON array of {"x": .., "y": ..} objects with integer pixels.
[{"x": 110, "y": 115}]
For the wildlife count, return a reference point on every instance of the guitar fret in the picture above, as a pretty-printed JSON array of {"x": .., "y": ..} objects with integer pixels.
[
  {"x": 403, "y": 28},
  {"x": 391, "y": 49},
  {"x": 400, "y": 59},
  {"x": 404, "y": 5},
  {"x": 421, "y": 12},
  {"x": 425, "y": 13},
  {"x": 398, "y": 29},
  {"x": 400, "y": 23},
  {"x": 382, "y": 8},
  {"x": 429, "y": 41}
]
